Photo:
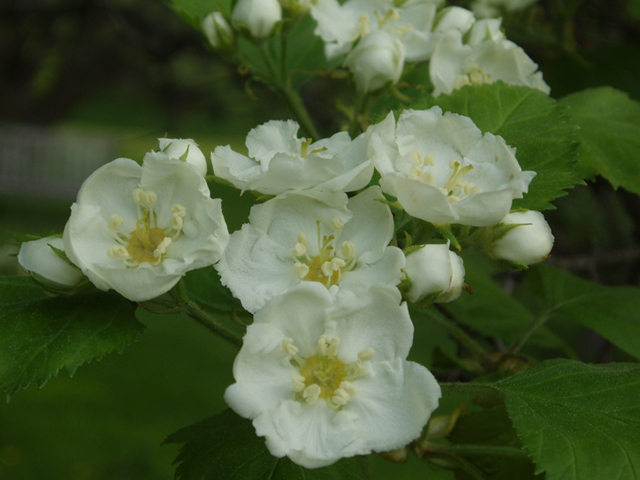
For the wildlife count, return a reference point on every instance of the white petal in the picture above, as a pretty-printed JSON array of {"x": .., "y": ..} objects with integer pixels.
[
  {"x": 386, "y": 270},
  {"x": 394, "y": 402},
  {"x": 237, "y": 169},
  {"x": 275, "y": 136},
  {"x": 371, "y": 317}
]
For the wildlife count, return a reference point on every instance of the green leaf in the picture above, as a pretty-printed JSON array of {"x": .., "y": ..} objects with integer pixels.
[
  {"x": 226, "y": 446},
  {"x": 613, "y": 312},
  {"x": 578, "y": 421},
  {"x": 203, "y": 285},
  {"x": 535, "y": 124},
  {"x": 39, "y": 334},
  {"x": 490, "y": 310},
  {"x": 610, "y": 134},
  {"x": 195, "y": 10},
  {"x": 493, "y": 427}
]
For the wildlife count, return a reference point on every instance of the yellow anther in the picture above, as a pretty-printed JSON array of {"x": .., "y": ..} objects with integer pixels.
[
  {"x": 301, "y": 270},
  {"x": 349, "y": 388},
  {"x": 311, "y": 393},
  {"x": 336, "y": 223},
  {"x": 117, "y": 251},
  {"x": 348, "y": 249},
  {"x": 429, "y": 160},
  {"x": 302, "y": 238},
  {"x": 162, "y": 247},
  {"x": 340, "y": 397},
  {"x": 299, "y": 250},
  {"x": 115, "y": 222},
  {"x": 428, "y": 178},
  {"x": 178, "y": 209},
  {"x": 176, "y": 222},
  {"x": 137, "y": 195},
  {"x": 366, "y": 354},
  {"x": 416, "y": 158},
  {"x": 298, "y": 382},
  {"x": 288, "y": 347},
  {"x": 334, "y": 344},
  {"x": 364, "y": 25}
]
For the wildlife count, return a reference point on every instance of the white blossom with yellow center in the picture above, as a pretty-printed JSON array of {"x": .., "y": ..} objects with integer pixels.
[
  {"x": 325, "y": 376},
  {"x": 280, "y": 162},
  {"x": 443, "y": 170},
  {"x": 482, "y": 56},
  {"x": 296, "y": 238},
  {"x": 138, "y": 229}
]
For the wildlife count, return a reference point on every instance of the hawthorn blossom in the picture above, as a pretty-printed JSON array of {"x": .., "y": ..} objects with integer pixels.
[
  {"x": 528, "y": 243},
  {"x": 435, "y": 271},
  {"x": 443, "y": 170},
  {"x": 258, "y": 17},
  {"x": 341, "y": 25},
  {"x": 138, "y": 229},
  {"x": 296, "y": 238},
  {"x": 186, "y": 150},
  {"x": 483, "y": 56},
  {"x": 279, "y": 161},
  {"x": 41, "y": 260},
  {"x": 326, "y": 377}
]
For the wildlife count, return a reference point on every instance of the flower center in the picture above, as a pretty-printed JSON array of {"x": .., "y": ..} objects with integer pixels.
[
  {"x": 323, "y": 375},
  {"x": 148, "y": 242},
  {"x": 329, "y": 265},
  {"x": 455, "y": 188},
  {"x": 472, "y": 76}
]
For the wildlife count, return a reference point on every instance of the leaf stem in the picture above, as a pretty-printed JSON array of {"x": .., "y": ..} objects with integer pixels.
[
  {"x": 526, "y": 333},
  {"x": 462, "y": 336},
  {"x": 191, "y": 309}
]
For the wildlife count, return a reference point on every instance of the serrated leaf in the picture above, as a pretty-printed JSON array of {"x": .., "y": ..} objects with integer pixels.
[
  {"x": 39, "y": 335},
  {"x": 226, "y": 446},
  {"x": 535, "y": 124},
  {"x": 609, "y": 124},
  {"x": 578, "y": 421},
  {"x": 613, "y": 312}
]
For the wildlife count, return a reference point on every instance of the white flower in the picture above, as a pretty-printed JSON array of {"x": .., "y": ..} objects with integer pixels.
[
  {"x": 443, "y": 170},
  {"x": 341, "y": 25},
  {"x": 485, "y": 58},
  {"x": 526, "y": 244},
  {"x": 296, "y": 238},
  {"x": 279, "y": 161},
  {"x": 138, "y": 229},
  {"x": 259, "y": 17},
  {"x": 42, "y": 262},
  {"x": 324, "y": 379},
  {"x": 433, "y": 269},
  {"x": 186, "y": 150},
  {"x": 377, "y": 60},
  {"x": 218, "y": 32}
]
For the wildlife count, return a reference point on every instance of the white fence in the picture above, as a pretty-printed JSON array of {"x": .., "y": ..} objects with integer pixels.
[{"x": 47, "y": 162}]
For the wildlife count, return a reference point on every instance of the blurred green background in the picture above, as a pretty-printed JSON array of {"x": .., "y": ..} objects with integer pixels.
[{"x": 130, "y": 71}]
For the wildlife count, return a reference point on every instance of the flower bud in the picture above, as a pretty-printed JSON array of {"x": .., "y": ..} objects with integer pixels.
[
  {"x": 377, "y": 59},
  {"x": 217, "y": 30},
  {"x": 45, "y": 265},
  {"x": 453, "y": 18},
  {"x": 186, "y": 150},
  {"x": 259, "y": 17},
  {"x": 525, "y": 244},
  {"x": 434, "y": 268}
]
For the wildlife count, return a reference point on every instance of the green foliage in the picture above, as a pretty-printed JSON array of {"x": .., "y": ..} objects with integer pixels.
[
  {"x": 493, "y": 427},
  {"x": 613, "y": 312},
  {"x": 39, "y": 334},
  {"x": 535, "y": 124},
  {"x": 195, "y": 10},
  {"x": 493, "y": 312},
  {"x": 203, "y": 286},
  {"x": 610, "y": 134},
  {"x": 578, "y": 421},
  {"x": 226, "y": 446}
]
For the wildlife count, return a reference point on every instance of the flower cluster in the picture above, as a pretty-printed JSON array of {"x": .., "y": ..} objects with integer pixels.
[{"x": 322, "y": 263}]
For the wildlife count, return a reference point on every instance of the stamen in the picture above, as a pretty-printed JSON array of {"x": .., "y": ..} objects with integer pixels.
[
  {"x": 364, "y": 25},
  {"x": 137, "y": 195},
  {"x": 366, "y": 354},
  {"x": 179, "y": 210},
  {"x": 333, "y": 347},
  {"x": 176, "y": 222},
  {"x": 429, "y": 160},
  {"x": 117, "y": 251},
  {"x": 348, "y": 249},
  {"x": 301, "y": 270},
  {"x": 327, "y": 269},
  {"x": 115, "y": 222},
  {"x": 312, "y": 393},
  {"x": 416, "y": 157},
  {"x": 162, "y": 247},
  {"x": 336, "y": 223},
  {"x": 298, "y": 382},
  {"x": 288, "y": 347},
  {"x": 323, "y": 345},
  {"x": 349, "y": 388},
  {"x": 340, "y": 397},
  {"x": 299, "y": 250}
]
